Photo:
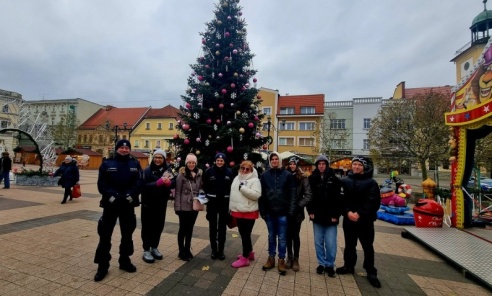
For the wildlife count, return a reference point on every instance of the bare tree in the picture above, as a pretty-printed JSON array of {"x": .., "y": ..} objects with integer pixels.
[
  {"x": 332, "y": 137},
  {"x": 411, "y": 128},
  {"x": 483, "y": 153},
  {"x": 65, "y": 131}
]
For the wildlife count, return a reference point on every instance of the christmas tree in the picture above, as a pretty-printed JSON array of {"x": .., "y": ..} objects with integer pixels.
[{"x": 221, "y": 107}]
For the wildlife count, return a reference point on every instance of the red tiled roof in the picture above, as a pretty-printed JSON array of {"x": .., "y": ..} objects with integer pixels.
[
  {"x": 165, "y": 112},
  {"x": 116, "y": 116},
  {"x": 411, "y": 92},
  {"x": 298, "y": 101}
]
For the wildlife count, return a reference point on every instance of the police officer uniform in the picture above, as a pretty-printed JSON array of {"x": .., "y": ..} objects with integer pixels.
[{"x": 119, "y": 182}]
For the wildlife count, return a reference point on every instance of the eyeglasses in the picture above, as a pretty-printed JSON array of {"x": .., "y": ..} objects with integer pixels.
[
  {"x": 245, "y": 169},
  {"x": 158, "y": 157}
]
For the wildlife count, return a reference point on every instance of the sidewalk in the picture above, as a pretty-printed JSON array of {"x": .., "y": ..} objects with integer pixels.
[{"x": 47, "y": 248}]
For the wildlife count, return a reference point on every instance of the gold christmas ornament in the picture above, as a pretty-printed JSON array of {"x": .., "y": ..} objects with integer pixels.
[
  {"x": 211, "y": 109},
  {"x": 241, "y": 130}
]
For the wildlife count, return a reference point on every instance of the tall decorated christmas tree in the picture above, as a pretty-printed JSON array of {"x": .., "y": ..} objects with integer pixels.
[{"x": 221, "y": 106}]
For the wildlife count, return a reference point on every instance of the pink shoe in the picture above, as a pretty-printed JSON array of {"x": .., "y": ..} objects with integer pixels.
[
  {"x": 251, "y": 256},
  {"x": 241, "y": 262}
]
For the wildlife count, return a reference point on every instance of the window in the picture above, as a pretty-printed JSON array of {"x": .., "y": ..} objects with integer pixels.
[
  {"x": 306, "y": 142},
  {"x": 337, "y": 123},
  {"x": 146, "y": 144},
  {"x": 289, "y": 126},
  {"x": 287, "y": 110},
  {"x": 158, "y": 144},
  {"x": 285, "y": 141},
  {"x": 147, "y": 125},
  {"x": 135, "y": 144},
  {"x": 308, "y": 110},
  {"x": 52, "y": 121},
  {"x": 159, "y": 126},
  {"x": 367, "y": 123},
  {"x": 366, "y": 144},
  {"x": 264, "y": 126},
  {"x": 5, "y": 109},
  {"x": 85, "y": 138},
  {"x": 337, "y": 144},
  {"x": 171, "y": 125},
  {"x": 80, "y": 138},
  {"x": 4, "y": 124},
  {"x": 306, "y": 126},
  {"x": 267, "y": 110}
]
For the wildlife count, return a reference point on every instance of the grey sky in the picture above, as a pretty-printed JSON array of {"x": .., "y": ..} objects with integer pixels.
[{"x": 137, "y": 53}]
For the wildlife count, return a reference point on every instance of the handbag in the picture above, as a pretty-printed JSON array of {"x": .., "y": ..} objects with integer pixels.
[
  {"x": 232, "y": 222},
  {"x": 76, "y": 192},
  {"x": 197, "y": 205}
]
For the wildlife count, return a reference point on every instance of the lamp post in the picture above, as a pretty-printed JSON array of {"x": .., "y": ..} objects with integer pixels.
[
  {"x": 269, "y": 124},
  {"x": 117, "y": 129},
  {"x": 282, "y": 122}
]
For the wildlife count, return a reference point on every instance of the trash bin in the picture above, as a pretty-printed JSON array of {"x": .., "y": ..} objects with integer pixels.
[{"x": 428, "y": 213}]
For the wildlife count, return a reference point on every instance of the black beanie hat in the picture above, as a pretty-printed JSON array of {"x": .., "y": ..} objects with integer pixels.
[{"x": 123, "y": 142}]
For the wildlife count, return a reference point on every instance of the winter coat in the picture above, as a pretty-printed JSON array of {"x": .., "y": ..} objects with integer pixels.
[
  {"x": 326, "y": 203},
  {"x": 217, "y": 182},
  {"x": 361, "y": 195},
  {"x": 6, "y": 164},
  {"x": 278, "y": 193},
  {"x": 245, "y": 200},
  {"x": 303, "y": 193},
  {"x": 120, "y": 177},
  {"x": 69, "y": 173},
  {"x": 187, "y": 188},
  {"x": 154, "y": 192}
]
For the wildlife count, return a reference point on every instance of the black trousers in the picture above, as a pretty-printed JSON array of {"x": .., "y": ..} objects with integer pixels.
[
  {"x": 153, "y": 217},
  {"x": 293, "y": 239},
  {"x": 245, "y": 227},
  {"x": 217, "y": 216},
  {"x": 67, "y": 193},
  {"x": 187, "y": 221},
  {"x": 125, "y": 212},
  {"x": 364, "y": 232}
]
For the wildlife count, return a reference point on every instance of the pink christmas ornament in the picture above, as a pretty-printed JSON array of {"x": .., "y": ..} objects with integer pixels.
[
  {"x": 188, "y": 105},
  {"x": 204, "y": 41},
  {"x": 178, "y": 159},
  {"x": 233, "y": 85},
  {"x": 243, "y": 88},
  {"x": 207, "y": 165},
  {"x": 200, "y": 77},
  {"x": 232, "y": 163},
  {"x": 230, "y": 149},
  {"x": 255, "y": 80},
  {"x": 231, "y": 45},
  {"x": 256, "y": 118},
  {"x": 247, "y": 85},
  {"x": 224, "y": 91},
  {"x": 193, "y": 74},
  {"x": 251, "y": 125},
  {"x": 185, "y": 127},
  {"x": 198, "y": 140},
  {"x": 186, "y": 141},
  {"x": 258, "y": 135},
  {"x": 228, "y": 122},
  {"x": 229, "y": 18},
  {"x": 176, "y": 136},
  {"x": 234, "y": 51},
  {"x": 217, "y": 45},
  {"x": 221, "y": 106},
  {"x": 220, "y": 75},
  {"x": 218, "y": 121},
  {"x": 258, "y": 97},
  {"x": 209, "y": 121},
  {"x": 227, "y": 34}
]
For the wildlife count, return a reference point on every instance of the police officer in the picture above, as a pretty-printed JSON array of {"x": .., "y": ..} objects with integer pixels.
[{"x": 119, "y": 182}]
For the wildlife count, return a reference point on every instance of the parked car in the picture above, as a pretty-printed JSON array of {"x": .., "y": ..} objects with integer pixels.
[{"x": 485, "y": 184}]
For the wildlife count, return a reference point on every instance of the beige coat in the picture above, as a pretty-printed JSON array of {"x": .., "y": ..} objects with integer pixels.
[
  {"x": 186, "y": 190},
  {"x": 246, "y": 199}
]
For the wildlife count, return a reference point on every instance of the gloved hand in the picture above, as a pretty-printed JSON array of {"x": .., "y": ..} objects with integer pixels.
[
  {"x": 112, "y": 199},
  {"x": 129, "y": 198}
]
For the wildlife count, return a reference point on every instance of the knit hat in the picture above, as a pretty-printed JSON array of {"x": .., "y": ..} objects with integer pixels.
[
  {"x": 294, "y": 160},
  {"x": 68, "y": 157},
  {"x": 220, "y": 155},
  {"x": 191, "y": 158},
  {"x": 321, "y": 158},
  {"x": 361, "y": 159},
  {"x": 160, "y": 152},
  {"x": 123, "y": 142}
]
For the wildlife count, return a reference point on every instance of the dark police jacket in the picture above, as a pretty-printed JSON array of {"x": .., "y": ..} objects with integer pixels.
[
  {"x": 217, "y": 182},
  {"x": 120, "y": 177}
]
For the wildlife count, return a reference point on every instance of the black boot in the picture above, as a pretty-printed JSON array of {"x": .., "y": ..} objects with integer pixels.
[
  {"x": 182, "y": 255},
  {"x": 373, "y": 280},
  {"x": 214, "y": 254},
  {"x": 126, "y": 265},
  {"x": 102, "y": 271}
]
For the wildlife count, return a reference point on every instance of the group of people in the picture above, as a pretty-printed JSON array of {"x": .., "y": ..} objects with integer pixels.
[{"x": 279, "y": 196}]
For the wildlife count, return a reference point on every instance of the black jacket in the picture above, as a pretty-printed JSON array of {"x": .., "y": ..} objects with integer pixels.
[
  {"x": 326, "y": 202},
  {"x": 361, "y": 195},
  {"x": 69, "y": 174},
  {"x": 152, "y": 193},
  {"x": 120, "y": 177},
  {"x": 278, "y": 193},
  {"x": 217, "y": 182},
  {"x": 303, "y": 193}
]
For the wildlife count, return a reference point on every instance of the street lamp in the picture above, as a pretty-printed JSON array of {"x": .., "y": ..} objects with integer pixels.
[
  {"x": 269, "y": 124},
  {"x": 117, "y": 129},
  {"x": 282, "y": 122}
]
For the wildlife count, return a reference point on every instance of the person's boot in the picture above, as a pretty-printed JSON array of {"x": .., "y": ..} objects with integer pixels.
[
  {"x": 213, "y": 256},
  {"x": 241, "y": 262},
  {"x": 295, "y": 264},
  {"x": 269, "y": 264},
  {"x": 288, "y": 263},
  {"x": 102, "y": 271},
  {"x": 188, "y": 253},
  {"x": 64, "y": 201},
  {"x": 220, "y": 254},
  {"x": 373, "y": 280},
  {"x": 281, "y": 267},
  {"x": 345, "y": 270},
  {"x": 156, "y": 254},
  {"x": 251, "y": 256},
  {"x": 182, "y": 255},
  {"x": 147, "y": 257},
  {"x": 128, "y": 266}
]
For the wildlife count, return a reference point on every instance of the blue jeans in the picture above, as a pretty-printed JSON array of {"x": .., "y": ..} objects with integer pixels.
[
  {"x": 277, "y": 227},
  {"x": 325, "y": 243}
]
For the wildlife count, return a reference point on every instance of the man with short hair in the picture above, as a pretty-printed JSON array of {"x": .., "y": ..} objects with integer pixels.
[
  {"x": 277, "y": 202},
  {"x": 119, "y": 182},
  {"x": 361, "y": 202}
]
